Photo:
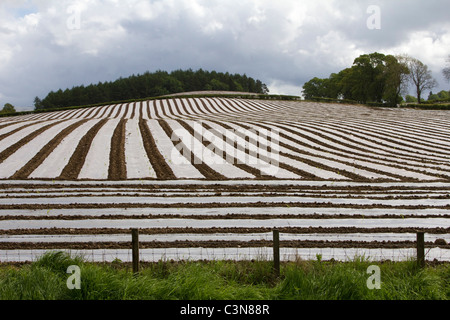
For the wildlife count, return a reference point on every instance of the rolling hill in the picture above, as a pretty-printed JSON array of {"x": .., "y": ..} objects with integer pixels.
[
  {"x": 227, "y": 139},
  {"x": 211, "y": 177}
]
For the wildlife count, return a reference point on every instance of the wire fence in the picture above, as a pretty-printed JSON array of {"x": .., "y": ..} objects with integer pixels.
[{"x": 166, "y": 247}]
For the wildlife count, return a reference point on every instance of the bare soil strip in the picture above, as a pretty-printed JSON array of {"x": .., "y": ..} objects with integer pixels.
[
  {"x": 345, "y": 173},
  {"x": 207, "y": 108},
  {"x": 221, "y": 230},
  {"x": 399, "y": 152},
  {"x": 169, "y": 112},
  {"x": 205, "y": 170},
  {"x": 403, "y": 164},
  {"x": 185, "y": 111},
  {"x": 337, "y": 152},
  {"x": 181, "y": 193},
  {"x": 3, "y": 136},
  {"x": 141, "y": 110},
  {"x": 217, "y": 106},
  {"x": 155, "y": 109},
  {"x": 133, "y": 112},
  {"x": 215, "y": 205},
  {"x": 95, "y": 113},
  {"x": 9, "y": 151},
  {"x": 360, "y": 188},
  {"x": 306, "y": 175},
  {"x": 177, "y": 107},
  {"x": 147, "y": 105},
  {"x": 73, "y": 168},
  {"x": 235, "y": 162},
  {"x": 407, "y": 142},
  {"x": 109, "y": 112},
  {"x": 230, "y": 216},
  {"x": 90, "y": 112},
  {"x": 117, "y": 165},
  {"x": 66, "y": 115},
  {"x": 162, "y": 169},
  {"x": 75, "y": 114},
  {"x": 225, "y": 214},
  {"x": 10, "y": 123},
  {"x": 217, "y": 244},
  {"x": 193, "y": 111},
  {"x": 7, "y": 124},
  {"x": 44, "y": 152},
  {"x": 375, "y": 131},
  {"x": 412, "y": 128},
  {"x": 127, "y": 111}
]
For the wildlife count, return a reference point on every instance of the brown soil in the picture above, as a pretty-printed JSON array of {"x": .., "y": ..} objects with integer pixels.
[
  {"x": 118, "y": 172},
  {"x": 307, "y": 175},
  {"x": 216, "y": 244},
  {"x": 237, "y": 187},
  {"x": 162, "y": 169},
  {"x": 230, "y": 216},
  {"x": 356, "y": 154},
  {"x": 177, "y": 107},
  {"x": 243, "y": 167},
  {"x": 9, "y": 151},
  {"x": 205, "y": 170},
  {"x": 133, "y": 113},
  {"x": 153, "y": 106},
  {"x": 117, "y": 165},
  {"x": 216, "y": 230},
  {"x": 27, "y": 124},
  {"x": 387, "y": 137},
  {"x": 258, "y": 204},
  {"x": 76, "y": 162},
  {"x": 45, "y": 152},
  {"x": 337, "y": 152},
  {"x": 178, "y": 194}
]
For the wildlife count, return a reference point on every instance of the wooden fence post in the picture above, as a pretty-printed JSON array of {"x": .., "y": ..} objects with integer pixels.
[
  {"x": 276, "y": 252},
  {"x": 421, "y": 249},
  {"x": 135, "y": 249}
]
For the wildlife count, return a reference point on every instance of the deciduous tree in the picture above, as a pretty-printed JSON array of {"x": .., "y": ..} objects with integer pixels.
[{"x": 420, "y": 76}]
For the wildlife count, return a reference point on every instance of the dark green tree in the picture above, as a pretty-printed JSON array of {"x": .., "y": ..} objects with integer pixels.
[
  {"x": 373, "y": 77},
  {"x": 8, "y": 108},
  {"x": 314, "y": 88},
  {"x": 38, "y": 103},
  {"x": 150, "y": 85},
  {"x": 396, "y": 78}
]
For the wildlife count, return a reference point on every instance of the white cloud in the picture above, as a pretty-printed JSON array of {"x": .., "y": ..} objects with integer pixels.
[
  {"x": 426, "y": 45},
  {"x": 283, "y": 43},
  {"x": 284, "y": 88}
]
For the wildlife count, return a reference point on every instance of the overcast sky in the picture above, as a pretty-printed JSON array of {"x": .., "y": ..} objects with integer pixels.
[{"x": 50, "y": 44}]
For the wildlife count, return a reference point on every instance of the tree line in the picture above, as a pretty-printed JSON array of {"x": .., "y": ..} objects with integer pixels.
[
  {"x": 149, "y": 85},
  {"x": 378, "y": 78}
]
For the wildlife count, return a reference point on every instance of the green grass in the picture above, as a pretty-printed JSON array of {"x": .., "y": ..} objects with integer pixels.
[{"x": 46, "y": 279}]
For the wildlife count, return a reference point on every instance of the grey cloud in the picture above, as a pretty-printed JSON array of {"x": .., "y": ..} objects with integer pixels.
[{"x": 282, "y": 42}]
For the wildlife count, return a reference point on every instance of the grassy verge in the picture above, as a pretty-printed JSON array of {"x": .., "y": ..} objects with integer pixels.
[{"x": 46, "y": 279}]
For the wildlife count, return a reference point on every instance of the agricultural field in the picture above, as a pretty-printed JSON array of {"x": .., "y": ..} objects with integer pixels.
[{"x": 210, "y": 178}]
